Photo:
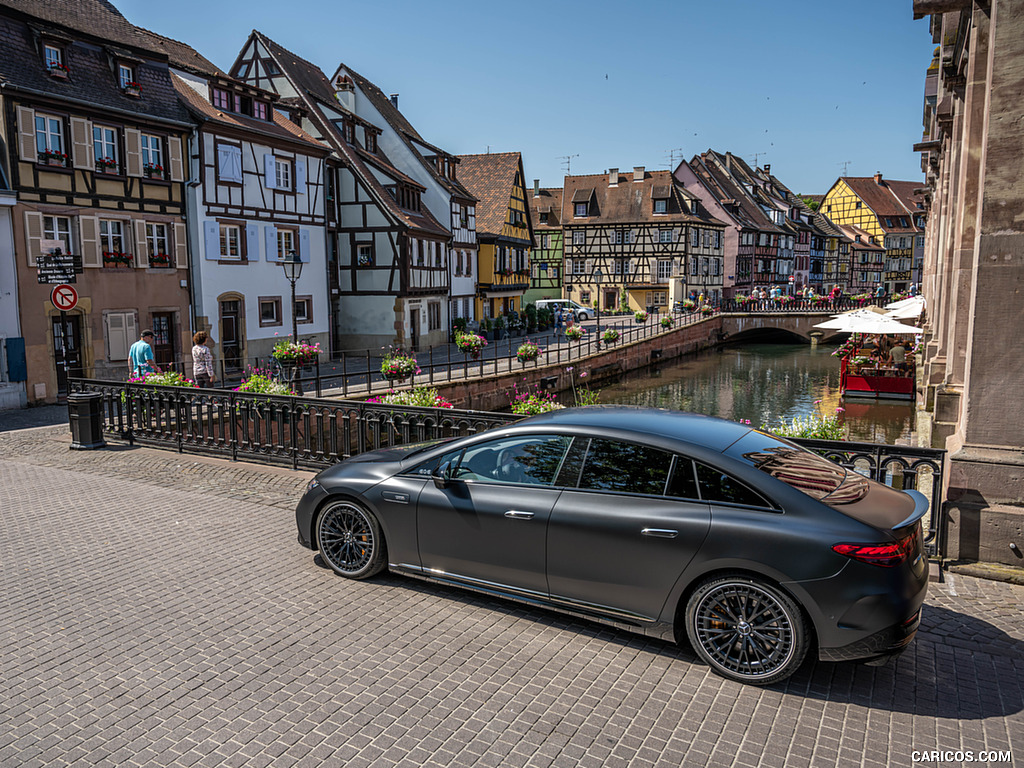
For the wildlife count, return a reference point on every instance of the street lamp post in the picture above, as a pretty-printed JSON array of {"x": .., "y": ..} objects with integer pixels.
[
  {"x": 598, "y": 278},
  {"x": 292, "y": 266}
]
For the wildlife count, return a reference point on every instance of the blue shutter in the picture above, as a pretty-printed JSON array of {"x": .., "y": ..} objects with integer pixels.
[
  {"x": 211, "y": 238},
  {"x": 304, "y": 245},
  {"x": 17, "y": 370},
  {"x": 270, "y": 237},
  {"x": 269, "y": 172},
  {"x": 300, "y": 176},
  {"x": 252, "y": 242}
]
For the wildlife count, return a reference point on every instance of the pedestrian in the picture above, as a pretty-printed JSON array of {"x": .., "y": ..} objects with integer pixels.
[
  {"x": 140, "y": 357},
  {"x": 879, "y": 291},
  {"x": 202, "y": 360},
  {"x": 559, "y": 319}
]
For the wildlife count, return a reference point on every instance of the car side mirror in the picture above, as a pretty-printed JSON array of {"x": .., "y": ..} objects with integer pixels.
[{"x": 442, "y": 475}]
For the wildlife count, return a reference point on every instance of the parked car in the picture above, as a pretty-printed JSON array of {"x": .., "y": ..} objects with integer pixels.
[
  {"x": 677, "y": 525},
  {"x": 578, "y": 311}
]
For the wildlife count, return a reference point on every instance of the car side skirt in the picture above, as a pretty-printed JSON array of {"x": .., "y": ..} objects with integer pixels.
[{"x": 609, "y": 616}]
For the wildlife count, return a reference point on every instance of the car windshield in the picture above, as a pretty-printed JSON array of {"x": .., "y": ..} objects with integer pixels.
[{"x": 797, "y": 467}]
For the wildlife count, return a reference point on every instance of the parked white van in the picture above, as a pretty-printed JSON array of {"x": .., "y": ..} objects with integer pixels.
[{"x": 579, "y": 312}]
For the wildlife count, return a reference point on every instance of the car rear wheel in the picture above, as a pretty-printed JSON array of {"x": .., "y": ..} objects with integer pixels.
[
  {"x": 746, "y": 629},
  {"x": 351, "y": 541}
]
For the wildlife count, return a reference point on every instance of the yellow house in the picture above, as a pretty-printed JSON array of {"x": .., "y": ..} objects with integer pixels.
[{"x": 503, "y": 228}]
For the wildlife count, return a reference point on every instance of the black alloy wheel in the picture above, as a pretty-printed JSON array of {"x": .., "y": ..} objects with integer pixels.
[
  {"x": 746, "y": 630},
  {"x": 351, "y": 540}
]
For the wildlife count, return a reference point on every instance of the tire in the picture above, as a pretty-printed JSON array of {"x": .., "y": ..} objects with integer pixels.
[
  {"x": 584, "y": 316},
  {"x": 746, "y": 629},
  {"x": 351, "y": 541}
]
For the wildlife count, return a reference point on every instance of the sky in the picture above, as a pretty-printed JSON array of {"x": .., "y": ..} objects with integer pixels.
[{"x": 818, "y": 90}]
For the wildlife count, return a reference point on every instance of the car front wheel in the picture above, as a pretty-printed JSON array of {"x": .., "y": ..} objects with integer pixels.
[
  {"x": 351, "y": 541},
  {"x": 746, "y": 629}
]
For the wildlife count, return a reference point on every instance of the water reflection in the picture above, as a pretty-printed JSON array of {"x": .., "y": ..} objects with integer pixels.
[{"x": 765, "y": 383}]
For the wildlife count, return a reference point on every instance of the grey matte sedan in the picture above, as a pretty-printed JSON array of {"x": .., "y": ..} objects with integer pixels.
[{"x": 672, "y": 524}]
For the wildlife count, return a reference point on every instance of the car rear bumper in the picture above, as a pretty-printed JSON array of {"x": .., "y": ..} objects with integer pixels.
[{"x": 887, "y": 642}]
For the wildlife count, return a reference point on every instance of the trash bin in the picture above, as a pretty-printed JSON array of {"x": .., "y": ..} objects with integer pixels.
[{"x": 85, "y": 410}]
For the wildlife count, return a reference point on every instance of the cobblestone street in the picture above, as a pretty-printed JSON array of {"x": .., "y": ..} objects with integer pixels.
[{"x": 156, "y": 610}]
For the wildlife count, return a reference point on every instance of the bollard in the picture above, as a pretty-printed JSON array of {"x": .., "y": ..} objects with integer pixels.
[{"x": 85, "y": 411}]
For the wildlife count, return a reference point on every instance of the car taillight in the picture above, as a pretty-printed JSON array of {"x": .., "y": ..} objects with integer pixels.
[{"x": 885, "y": 555}]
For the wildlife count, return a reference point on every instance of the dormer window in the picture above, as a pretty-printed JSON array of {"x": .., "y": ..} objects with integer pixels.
[
  {"x": 371, "y": 142},
  {"x": 259, "y": 110},
  {"x": 661, "y": 206},
  {"x": 581, "y": 209},
  {"x": 348, "y": 131},
  {"x": 221, "y": 99},
  {"x": 125, "y": 75},
  {"x": 53, "y": 58}
]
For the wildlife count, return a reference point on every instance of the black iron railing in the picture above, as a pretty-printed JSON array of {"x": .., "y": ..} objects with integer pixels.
[{"x": 312, "y": 433}]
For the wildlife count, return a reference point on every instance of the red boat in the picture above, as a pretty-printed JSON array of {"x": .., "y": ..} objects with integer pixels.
[{"x": 876, "y": 380}]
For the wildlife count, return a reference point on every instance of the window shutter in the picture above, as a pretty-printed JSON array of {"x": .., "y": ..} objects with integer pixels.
[
  {"x": 270, "y": 238},
  {"x": 589, "y": 266},
  {"x": 33, "y": 236},
  {"x": 176, "y": 166},
  {"x": 27, "y": 134},
  {"x": 133, "y": 151},
  {"x": 141, "y": 246},
  {"x": 81, "y": 142},
  {"x": 229, "y": 163},
  {"x": 304, "y": 245},
  {"x": 300, "y": 176},
  {"x": 269, "y": 172},
  {"x": 211, "y": 239},
  {"x": 252, "y": 242},
  {"x": 117, "y": 336},
  {"x": 89, "y": 227},
  {"x": 180, "y": 246}
]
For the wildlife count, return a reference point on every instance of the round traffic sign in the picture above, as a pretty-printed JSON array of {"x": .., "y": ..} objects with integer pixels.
[{"x": 64, "y": 297}]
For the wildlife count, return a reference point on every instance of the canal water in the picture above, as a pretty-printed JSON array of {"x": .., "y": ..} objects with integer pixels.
[{"x": 765, "y": 383}]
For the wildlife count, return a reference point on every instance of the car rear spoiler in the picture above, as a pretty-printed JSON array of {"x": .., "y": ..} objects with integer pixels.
[{"x": 921, "y": 505}]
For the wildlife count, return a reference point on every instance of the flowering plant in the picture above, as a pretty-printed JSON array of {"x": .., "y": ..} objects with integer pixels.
[
  {"x": 848, "y": 346},
  {"x": 581, "y": 393},
  {"x": 666, "y": 322},
  {"x": 530, "y": 401},
  {"x": 58, "y": 65},
  {"x": 117, "y": 258},
  {"x": 527, "y": 351},
  {"x": 610, "y": 336},
  {"x": 288, "y": 351},
  {"x": 470, "y": 343},
  {"x": 262, "y": 382},
  {"x": 399, "y": 365},
  {"x": 817, "y": 426},
  {"x": 106, "y": 162},
  {"x": 165, "y": 379},
  {"x": 640, "y": 315},
  {"x": 423, "y": 397},
  {"x": 575, "y": 332},
  {"x": 153, "y": 168},
  {"x": 707, "y": 310},
  {"x": 689, "y": 305},
  {"x": 48, "y": 155},
  {"x": 159, "y": 260},
  {"x": 131, "y": 84}
]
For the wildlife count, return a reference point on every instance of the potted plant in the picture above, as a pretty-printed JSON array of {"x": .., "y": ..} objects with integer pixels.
[
  {"x": 641, "y": 316},
  {"x": 527, "y": 351},
  {"x": 116, "y": 259},
  {"x": 531, "y": 318},
  {"x": 470, "y": 343},
  {"x": 288, "y": 352},
  {"x": 666, "y": 322},
  {"x": 499, "y": 327},
  {"x": 58, "y": 70},
  {"x": 159, "y": 260},
  {"x": 106, "y": 165},
  {"x": 398, "y": 366},
  {"x": 610, "y": 336},
  {"x": 575, "y": 332},
  {"x": 153, "y": 171},
  {"x": 133, "y": 89},
  {"x": 486, "y": 329},
  {"x": 689, "y": 305},
  {"x": 53, "y": 157},
  {"x": 707, "y": 310}
]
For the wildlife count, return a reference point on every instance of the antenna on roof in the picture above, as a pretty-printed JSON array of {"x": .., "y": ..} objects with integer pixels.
[
  {"x": 758, "y": 155},
  {"x": 568, "y": 162},
  {"x": 846, "y": 165},
  {"x": 672, "y": 157}
]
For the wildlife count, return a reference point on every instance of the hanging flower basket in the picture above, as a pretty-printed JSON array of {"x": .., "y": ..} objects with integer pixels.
[
  {"x": 527, "y": 351},
  {"x": 666, "y": 322},
  {"x": 288, "y": 352},
  {"x": 640, "y": 316},
  {"x": 707, "y": 311},
  {"x": 610, "y": 336},
  {"x": 398, "y": 366},
  {"x": 574, "y": 332},
  {"x": 470, "y": 343}
]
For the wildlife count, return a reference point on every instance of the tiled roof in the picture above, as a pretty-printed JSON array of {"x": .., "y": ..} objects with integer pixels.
[
  {"x": 852, "y": 233},
  {"x": 403, "y": 128},
  {"x": 827, "y": 227},
  {"x": 719, "y": 174},
  {"x": 490, "y": 179},
  {"x": 311, "y": 82},
  {"x": 548, "y": 201},
  {"x": 91, "y": 78},
  {"x": 281, "y": 128},
  {"x": 880, "y": 195},
  {"x": 180, "y": 55}
]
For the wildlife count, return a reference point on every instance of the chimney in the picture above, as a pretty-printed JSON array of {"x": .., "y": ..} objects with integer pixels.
[
  {"x": 767, "y": 168},
  {"x": 394, "y": 100},
  {"x": 536, "y": 187},
  {"x": 345, "y": 92},
  {"x": 613, "y": 177},
  {"x": 638, "y": 173},
  {"x": 878, "y": 178}
]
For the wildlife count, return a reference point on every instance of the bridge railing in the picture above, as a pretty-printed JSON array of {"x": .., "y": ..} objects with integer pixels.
[{"x": 314, "y": 433}]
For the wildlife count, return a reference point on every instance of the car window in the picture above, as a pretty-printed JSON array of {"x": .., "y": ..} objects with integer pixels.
[
  {"x": 625, "y": 468},
  {"x": 530, "y": 459},
  {"x": 683, "y": 483},
  {"x": 715, "y": 485}
]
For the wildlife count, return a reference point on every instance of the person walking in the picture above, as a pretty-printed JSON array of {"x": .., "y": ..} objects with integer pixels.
[
  {"x": 559, "y": 319},
  {"x": 140, "y": 356},
  {"x": 202, "y": 360}
]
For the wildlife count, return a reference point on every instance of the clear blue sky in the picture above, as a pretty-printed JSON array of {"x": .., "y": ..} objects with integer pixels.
[{"x": 807, "y": 87}]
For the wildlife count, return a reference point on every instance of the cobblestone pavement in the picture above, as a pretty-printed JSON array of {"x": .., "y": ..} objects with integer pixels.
[{"x": 156, "y": 610}]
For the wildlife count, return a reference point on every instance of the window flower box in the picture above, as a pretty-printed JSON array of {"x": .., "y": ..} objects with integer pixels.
[
  {"x": 153, "y": 171},
  {"x": 132, "y": 89},
  {"x": 114, "y": 259},
  {"x": 52, "y": 157},
  {"x": 58, "y": 70},
  {"x": 106, "y": 165},
  {"x": 160, "y": 260}
]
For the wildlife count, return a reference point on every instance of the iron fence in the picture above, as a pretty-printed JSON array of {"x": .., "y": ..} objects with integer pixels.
[{"x": 314, "y": 433}]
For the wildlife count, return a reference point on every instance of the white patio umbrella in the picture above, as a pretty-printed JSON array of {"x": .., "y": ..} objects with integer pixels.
[
  {"x": 848, "y": 320},
  {"x": 912, "y": 307},
  {"x": 862, "y": 310},
  {"x": 865, "y": 321}
]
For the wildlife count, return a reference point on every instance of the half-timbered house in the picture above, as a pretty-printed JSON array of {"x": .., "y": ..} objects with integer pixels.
[
  {"x": 866, "y": 260},
  {"x": 257, "y": 196},
  {"x": 437, "y": 170},
  {"x": 392, "y": 281},
  {"x": 546, "y": 258},
  {"x": 504, "y": 230},
  {"x": 640, "y": 230},
  {"x": 96, "y": 137}
]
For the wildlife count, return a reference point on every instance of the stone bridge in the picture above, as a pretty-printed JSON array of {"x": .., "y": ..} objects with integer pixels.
[{"x": 798, "y": 325}]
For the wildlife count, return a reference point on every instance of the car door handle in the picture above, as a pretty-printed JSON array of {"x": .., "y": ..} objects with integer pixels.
[
  {"x": 661, "y": 533},
  {"x": 516, "y": 514}
]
